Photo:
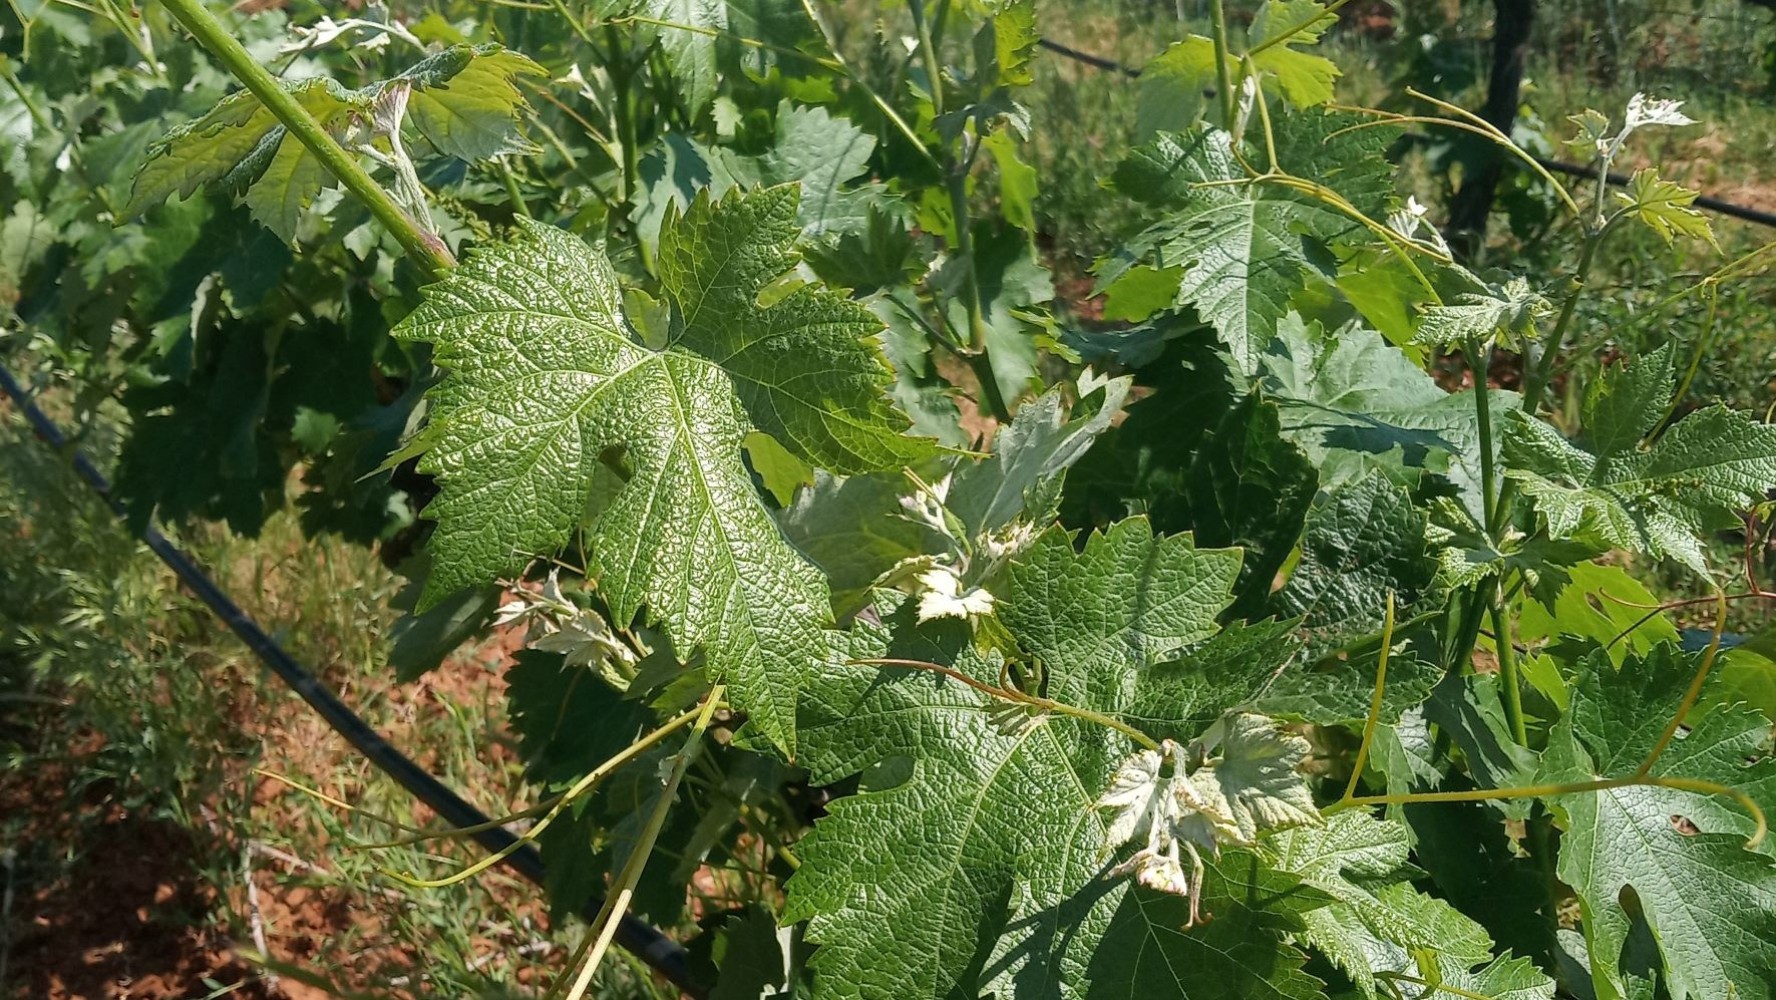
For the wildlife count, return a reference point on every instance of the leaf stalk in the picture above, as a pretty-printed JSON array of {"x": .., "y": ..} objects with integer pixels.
[{"x": 427, "y": 250}]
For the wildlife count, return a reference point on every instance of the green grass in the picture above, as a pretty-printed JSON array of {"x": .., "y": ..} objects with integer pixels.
[{"x": 124, "y": 700}]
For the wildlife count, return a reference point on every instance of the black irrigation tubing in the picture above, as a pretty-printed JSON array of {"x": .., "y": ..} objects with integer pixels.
[
  {"x": 645, "y": 941},
  {"x": 1727, "y": 208}
]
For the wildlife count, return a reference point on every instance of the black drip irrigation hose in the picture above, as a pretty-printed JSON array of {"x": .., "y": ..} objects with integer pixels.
[
  {"x": 646, "y": 942},
  {"x": 1727, "y": 208}
]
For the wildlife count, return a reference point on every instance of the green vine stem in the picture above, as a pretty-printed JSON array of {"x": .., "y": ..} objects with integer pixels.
[
  {"x": 1704, "y": 341},
  {"x": 1374, "y": 717},
  {"x": 579, "y": 789},
  {"x": 427, "y": 250},
  {"x": 1542, "y": 372},
  {"x": 1223, "y": 62},
  {"x": 1760, "y": 829},
  {"x": 604, "y": 925},
  {"x": 1507, "y": 662},
  {"x": 1480, "y": 362},
  {"x": 1641, "y": 777},
  {"x": 1014, "y": 695},
  {"x": 956, "y": 187},
  {"x": 1694, "y": 692}
]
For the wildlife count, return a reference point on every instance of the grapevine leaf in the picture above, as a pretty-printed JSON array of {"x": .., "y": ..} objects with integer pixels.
[
  {"x": 823, "y": 153},
  {"x": 421, "y": 642},
  {"x": 751, "y": 955},
  {"x": 545, "y": 379},
  {"x": 1658, "y": 499},
  {"x": 1129, "y": 598},
  {"x": 1626, "y": 401},
  {"x": 1470, "y": 711},
  {"x": 973, "y": 860},
  {"x": 1361, "y": 862},
  {"x": 1017, "y": 181},
  {"x": 1142, "y": 291},
  {"x": 1244, "y": 248},
  {"x": 1339, "y": 693},
  {"x": 1476, "y": 866},
  {"x": 1366, "y": 541},
  {"x": 1665, "y": 207},
  {"x": 1174, "y": 87},
  {"x": 1014, "y": 43},
  {"x": 1023, "y": 476},
  {"x": 463, "y": 103},
  {"x": 1249, "y": 487},
  {"x": 1304, "y": 79},
  {"x": 881, "y": 254},
  {"x": 690, "y": 46},
  {"x": 1194, "y": 456},
  {"x": 1597, "y": 605},
  {"x": 1325, "y": 146},
  {"x": 803, "y": 366},
  {"x": 550, "y": 704},
  {"x": 853, "y": 528},
  {"x": 1500, "y": 979},
  {"x": 1010, "y": 280},
  {"x": 812, "y": 148},
  {"x": 1510, "y": 310},
  {"x": 766, "y": 35},
  {"x": 1139, "y": 466},
  {"x": 1354, "y": 403},
  {"x": 240, "y": 139},
  {"x": 1254, "y": 780},
  {"x": 1184, "y": 694},
  {"x": 1709, "y": 902}
]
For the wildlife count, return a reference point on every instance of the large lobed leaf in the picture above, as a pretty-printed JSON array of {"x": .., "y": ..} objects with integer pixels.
[
  {"x": 1709, "y": 903},
  {"x": 1378, "y": 926},
  {"x": 973, "y": 860},
  {"x": 1658, "y": 499},
  {"x": 548, "y": 380},
  {"x": 1243, "y": 248}
]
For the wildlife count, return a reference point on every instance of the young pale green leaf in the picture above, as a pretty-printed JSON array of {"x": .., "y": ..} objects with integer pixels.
[
  {"x": 974, "y": 860},
  {"x": 1023, "y": 476},
  {"x": 1017, "y": 181},
  {"x": 240, "y": 139},
  {"x": 1710, "y": 903},
  {"x": 1243, "y": 248},
  {"x": 1597, "y": 605},
  {"x": 1174, "y": 87},
  {"x": 466, "y": 104},
  {"x": 1304, "y": 79},
  {"x": 1255, "y": 779},
  {"x": 1657, "y": 499},
  {"x": 546, "y": 381},
  {"x": 1665, "y": 208},
  {"x": 462, "y": 102},
  {"x": 1014, "y": 43}
]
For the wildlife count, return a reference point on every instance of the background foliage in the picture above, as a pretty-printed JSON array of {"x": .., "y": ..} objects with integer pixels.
[{"x": 1132, "y": 452}]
